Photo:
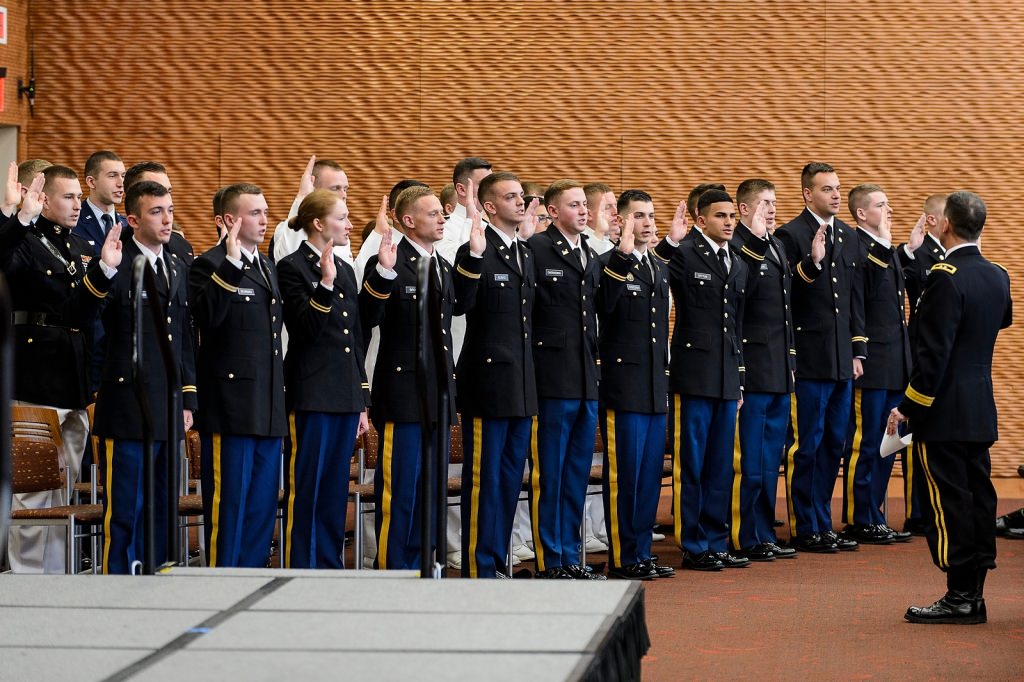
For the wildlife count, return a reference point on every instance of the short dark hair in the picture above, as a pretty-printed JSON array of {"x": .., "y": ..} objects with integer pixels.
[
  {"x": 30, "y": 168},
  {"x": 556, "y": 188},
  {"x": 629, "y": 196},
  {"x": 593, "y": 189},
  {"x": 401, "y": 186},
  {"x": 96, "y": 159},
  {"x": 133, "y": 174},
  {"x": 408, "y": 198},
  {"x": 325, "y": 163},
  {"x": 857, "y": 196},
  {"x": 966, "y": 213},
  {"x": 146, "y": 188},
  {"x": 466, "y": 166},
  {"x": 218, "y": 201},
  {"x": 694, "y": 195},
  {"x": 751, "y": 186},
  {"x": 488, "y": 183},
  {"x": 229, "y": 197},
  {"x": 51, "y": 173},
  {"x": 712, "y": 196},
  {"x": 812, "y": 169}
]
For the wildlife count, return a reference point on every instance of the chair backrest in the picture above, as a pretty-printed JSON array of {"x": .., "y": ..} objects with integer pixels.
[
  {"x": 371, "y": 440},
  {"x": 455, "y": 454},
  {"x": 193, "y": 448},
  {"x": 598, "y": 442},
  {"x": 41, "y": 422},
  {"x": 37, "y": 450}
]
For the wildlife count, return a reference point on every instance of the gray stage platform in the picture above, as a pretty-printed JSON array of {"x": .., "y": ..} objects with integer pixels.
[{"x": 234, "y": 624}]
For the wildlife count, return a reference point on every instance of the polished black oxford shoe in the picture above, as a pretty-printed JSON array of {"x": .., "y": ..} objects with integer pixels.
[
  {"x": 730, "y": 561},
  {"x": 813, "y": 543},
  {"x": 842, "y": 544},
  {"x": 955, "y": 608},
  {"x": 661, "y": 571},
  {"x": 639, "y": 571},
  {"x": 705, "y": 561},
  {"x": 760, "y": 552},
  {"x": 781, "y": 552},
  {"x": 868, "y": 535},
  {"x": 897, "y": 535}
]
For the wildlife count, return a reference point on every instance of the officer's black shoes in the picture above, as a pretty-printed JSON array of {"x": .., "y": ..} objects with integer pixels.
[
  {"x": 897, "y": 535},
  {"x": 1020, "y": 471},
  {"x": 730, "y": 561},
  {"x": 913, "y": 526},
  {"x": 705, "y": 561},
  {"x": 867, "y": 534},
  {"x": 556, "y": 573},
  {"x": 813, "y": 543},
  {"x": 760, "y": 552},
  {"x": 842, "y": 544},
  {"x": 1010, "y": 522},
  {"x": 580, "y": 573},
  {"x": 661, "y": 571},
  {"x": 781, "y": 552},
  {"x": 956, "y": 608},
  {"x": 639, "y": 571}
]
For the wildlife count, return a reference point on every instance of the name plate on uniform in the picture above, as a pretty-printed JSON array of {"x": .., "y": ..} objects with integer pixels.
[
  {"x": 706, "y": 276},
  {"x": 501, "y": 277},
  {"x": 246, "y": 292},
  {"x": 633, "y": 287},
  {"x": 548, "y": 272},
  {"x": 410, "y": 289},
  {"x": 764, "y": 267}
]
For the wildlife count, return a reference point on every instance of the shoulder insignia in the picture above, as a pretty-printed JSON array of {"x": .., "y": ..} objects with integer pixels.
[{"x": 944, "y": 267}]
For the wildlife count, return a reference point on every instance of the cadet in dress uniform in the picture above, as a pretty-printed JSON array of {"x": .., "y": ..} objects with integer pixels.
[
  {"x": 118, "y": 417},
  {"x": 496, "y": 384},
  {"x": 950, "y": 404},
  {"x": 828, "y": 319},
  {"x": 236, "y": 304},
  {"x": 632, "y": 306},
  {"x": 769, "y": 359},
  {"x": 886, "y": 370},
  {"x": 57, "y": 287},
  {"x": 708, "y": 286},
  {"x": 565, "y": 357},
  {"x": 327, "y": 392},
  {"x": 395, "y": 413}
]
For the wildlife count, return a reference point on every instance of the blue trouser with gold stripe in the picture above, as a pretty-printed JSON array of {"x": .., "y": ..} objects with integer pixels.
[
  {"x": 240, "y": 477},
  {"x": 820, "y": 416},
  {"x": 865, "y": 472},
  {"x": 318, "y": 459},
  {"x": 561, "y": 452},
  {"x": 703, "y": 432},
  {"x": 494, "y": 452},
  {"x": 396, "y": 480},
  {"x": 121, "y": 472},
  {"x": 633, "y": 460},
  {"x": 760, "y": 439},
  {"x": 912, "y": 503}
]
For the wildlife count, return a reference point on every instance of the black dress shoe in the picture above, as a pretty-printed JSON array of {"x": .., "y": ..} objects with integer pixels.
[
  {"x": 730, "y": 561},
  {"x": 1010, "y": 521},
  {"x": 580, "y": 573},
  {"x": 705, "y": 561},
  {"x": 639, "y": 571},
  {"x": 661, "y": 571},
  {"x": 760, "y": 552},
  {"x": 1014, "y": 534},
  {"x": 1020, "y": 471},
  {"x": 781, "y": 552},
  {"x": 842, "y": 544},
  {"x": 957, "y": 608},
  {"x": 868, "y": 535},
  {"x": 913, "y": 526},
  {"x": 556, "y": 573},
  {"x": 813, "y": 543},
  {"x": 897, "y": 535}
]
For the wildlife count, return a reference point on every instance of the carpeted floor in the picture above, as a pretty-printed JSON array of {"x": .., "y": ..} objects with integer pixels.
[{"x": 834, "y": 616}]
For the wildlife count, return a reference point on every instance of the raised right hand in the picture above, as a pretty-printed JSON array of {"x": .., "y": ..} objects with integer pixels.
[
  {"x": 12, "y": 193},
  {"x": 306, "y": 183},
  {"x": 229, "y": 235},
  {"x": 917, "y": 235},
  {"x": 627, "y": 240},
  {"x": 328, "y": 271},
  {"x": 818, "y": 246},
  {"x": 32, "y": 205},
  {"x": 387, "y": 254},
  {"x": 382, "y": 226},
  {"x": 680, "y": 224},
  {"x": 758, "y": 223}
]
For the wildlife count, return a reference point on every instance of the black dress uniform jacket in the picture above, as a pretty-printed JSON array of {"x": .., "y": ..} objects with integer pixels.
[
  {"x": 117, "y": 409},
  {"x": 707, "y": 359},
  {"x": 769, "y": 355},
  {"x": 915, "y": 273},
  {"x": 395, "y": 392},
  {"x": 57, "y": 296},
  {"x": 827, "y": 304},
  {"x": 632, "y": 305},
  {"x": 496, "y": 373},
  {"x": 887, "y": 365},
  {"x": 965, "y": 303},
  {"x": 239, "y": 364},
  {"x": 324, "y": 370},
  {"x": 564, "y": 322}
]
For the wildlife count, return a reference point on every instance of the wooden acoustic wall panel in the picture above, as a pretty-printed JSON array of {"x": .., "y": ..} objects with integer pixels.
[{"x": 657, "y": 95}]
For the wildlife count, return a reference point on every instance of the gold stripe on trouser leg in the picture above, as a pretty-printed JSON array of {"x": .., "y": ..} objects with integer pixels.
[
  {"x": 474, "y": 504},
  {"x": 737, "y": 479},
  {"x": 851, "y": 466},
  {"x": 538, "y": 546},
  {"x": 613, "y": 489},
  {"x": 291, "y": 492},
  {"x": 790, "y": 454},
  {"x": 109, "y": 491},
  {"x": 385, "y": 502},
  {"x": 940, "y": 516},
  {"x": 908, "y": 483},
  {"x": 677, "y": 484},
  {"x": 216, "y": 501}
]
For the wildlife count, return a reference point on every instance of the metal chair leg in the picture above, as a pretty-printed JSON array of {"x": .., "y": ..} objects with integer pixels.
[{"x": 358, "y": 534}]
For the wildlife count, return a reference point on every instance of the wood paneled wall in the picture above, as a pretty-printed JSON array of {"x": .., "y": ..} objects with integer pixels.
[{"x": 661, "y": 95}]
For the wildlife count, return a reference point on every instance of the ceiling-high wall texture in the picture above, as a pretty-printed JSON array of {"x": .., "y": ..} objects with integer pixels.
[{"x": 918, "y": 97}]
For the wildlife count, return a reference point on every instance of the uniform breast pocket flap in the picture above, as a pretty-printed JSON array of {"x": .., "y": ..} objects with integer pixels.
[{"x": 548, "y": 337}]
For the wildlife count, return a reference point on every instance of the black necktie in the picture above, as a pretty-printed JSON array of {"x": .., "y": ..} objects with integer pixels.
[
  {"x": 515, "y": 255},
  {"x": 161, "y": 276},
  {"x": 647, "y": 265},
  {"x": 108, "y": 223},
  {"x": 579, "y": 257},
  {"x": 437, "y": 270},
  {"x": 723, "y": 260}
]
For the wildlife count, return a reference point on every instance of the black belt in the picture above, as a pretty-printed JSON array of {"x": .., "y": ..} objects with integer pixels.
[{"x": 38, "y": 319}]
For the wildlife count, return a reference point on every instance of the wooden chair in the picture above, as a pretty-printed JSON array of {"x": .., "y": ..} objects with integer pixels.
[{"x": 190, "y": 502}]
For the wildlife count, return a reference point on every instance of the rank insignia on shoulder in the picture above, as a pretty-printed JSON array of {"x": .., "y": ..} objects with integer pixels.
[
  {"x": 706, "y": 276},
  {"x": 944, "y": 267},
  {"x": 565, "y": 252}
]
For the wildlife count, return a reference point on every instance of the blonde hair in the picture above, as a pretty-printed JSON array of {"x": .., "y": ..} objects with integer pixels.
[{"x": 317, "y": 204}]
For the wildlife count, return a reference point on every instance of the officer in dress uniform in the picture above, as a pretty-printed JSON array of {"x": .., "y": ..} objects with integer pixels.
[
  {"x": 565, "y": 357},
  {"x": 58, "y": 288},
  {"x": 708, "y": 286},
  {"x": 950, "y": 404},
  {"x": 886, "y": 370},
  {"x": 632, "y": 306},
  {"x": 496, "y": 384},
  {"x": 327, "y": 392},
  {"x": 396, "y": 413},
  {"x": 828, "y": 319},
  {"x": 769, "y": 361},
  {"x": 118, "y": 417},
  {"x": 236, "y": 304}
]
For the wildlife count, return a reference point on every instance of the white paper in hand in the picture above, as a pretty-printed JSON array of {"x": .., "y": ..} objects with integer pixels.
[{"x": 894, "y": 443}]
